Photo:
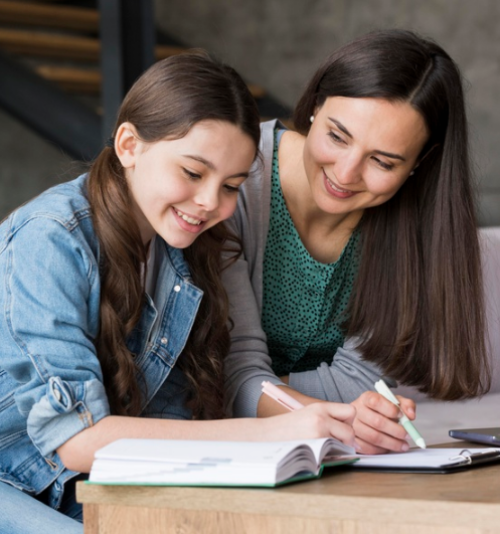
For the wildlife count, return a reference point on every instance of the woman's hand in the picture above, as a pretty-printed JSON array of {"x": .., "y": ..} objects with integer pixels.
[
  {"x": 317, "y": 420},
  {"x": 376, "y": 423}
]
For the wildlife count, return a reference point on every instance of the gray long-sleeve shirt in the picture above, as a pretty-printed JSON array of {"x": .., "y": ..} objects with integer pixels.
[{"x": 342, "y": 379}]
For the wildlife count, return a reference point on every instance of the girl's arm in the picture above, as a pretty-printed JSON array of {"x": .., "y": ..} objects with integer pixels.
[
  {"x": 48, "y": 348},
  {"x": 315, "y": 421},
  {"x": 51, "y": 302}
]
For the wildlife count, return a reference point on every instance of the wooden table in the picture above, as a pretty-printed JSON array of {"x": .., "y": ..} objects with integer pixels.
[{"x": 341, "y": 502}]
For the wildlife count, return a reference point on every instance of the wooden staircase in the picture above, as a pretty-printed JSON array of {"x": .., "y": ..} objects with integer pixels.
[{"x": 61, "y": 43}]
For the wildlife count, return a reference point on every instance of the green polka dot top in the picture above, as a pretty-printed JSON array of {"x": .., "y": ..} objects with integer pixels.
[{"x": 304, "y": 299}]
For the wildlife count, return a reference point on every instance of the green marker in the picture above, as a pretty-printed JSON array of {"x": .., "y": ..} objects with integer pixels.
[{"x": 382, "y": 388}]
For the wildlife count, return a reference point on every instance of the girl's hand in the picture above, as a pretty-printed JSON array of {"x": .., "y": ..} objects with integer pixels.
[
  {"x": 376, "y": 423},
  {"x": 317, "y": 420}
]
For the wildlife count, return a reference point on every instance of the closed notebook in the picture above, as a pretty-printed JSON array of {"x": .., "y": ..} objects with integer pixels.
[
  {"x": 215, "y": 463},
  {"x": 439, "y": 460}
]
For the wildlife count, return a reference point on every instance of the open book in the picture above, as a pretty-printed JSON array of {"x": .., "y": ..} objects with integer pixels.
[
  {"x": 215, "y": 463},
  {"x": 439, "y": 460}
]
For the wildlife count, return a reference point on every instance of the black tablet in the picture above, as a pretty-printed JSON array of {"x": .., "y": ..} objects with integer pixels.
[{"x": 488, "y": 436}]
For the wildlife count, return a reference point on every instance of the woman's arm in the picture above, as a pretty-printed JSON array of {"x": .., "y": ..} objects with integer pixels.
[
  {"x": 342, "y": 380},
  {"x": 248, "y": 363},
  {"x": 348, "y": 379},
  {"x": 315, "y": 421}
]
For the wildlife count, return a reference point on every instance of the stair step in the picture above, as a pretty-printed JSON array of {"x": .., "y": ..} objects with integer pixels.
[
  {"x": 43, "y": 2},
  {"x": 88, "y": 81},
  {"x": 50, "y": 16},
  {"x": 36, "y": 44},
  {"x": 55, "y": 46},
  {"x": 73, "y": 80}
]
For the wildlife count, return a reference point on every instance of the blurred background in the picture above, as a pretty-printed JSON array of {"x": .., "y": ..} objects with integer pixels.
[{"x": 64, "y": 67}]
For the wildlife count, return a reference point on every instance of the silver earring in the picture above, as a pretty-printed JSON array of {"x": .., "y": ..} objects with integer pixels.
[
  {"x": 311, "y": 118},
  {"x": 411, "y": 173}
]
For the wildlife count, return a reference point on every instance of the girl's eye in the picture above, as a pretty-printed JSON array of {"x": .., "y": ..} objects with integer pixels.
[
  {"x": 231, "y": 188},
  {"x": 191, "y": 175},
  {"x": 384, "y": 165},
  {"x": 335, "y": 137}
]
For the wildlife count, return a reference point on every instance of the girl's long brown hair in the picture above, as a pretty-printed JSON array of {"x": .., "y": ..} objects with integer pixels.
[
  {"x": 417, "y": 301},
  {"x": 168, "y": 100}
]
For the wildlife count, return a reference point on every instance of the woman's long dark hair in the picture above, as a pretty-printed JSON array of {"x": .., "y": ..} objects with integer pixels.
[
  {"x": 165, "y": 102},
  {"x": 417, "y": 301}
]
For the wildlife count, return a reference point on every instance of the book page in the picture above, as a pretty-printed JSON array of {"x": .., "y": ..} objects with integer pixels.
[
  {"x": 248, "y": 453},
  {"x": 237, "y": 451}
]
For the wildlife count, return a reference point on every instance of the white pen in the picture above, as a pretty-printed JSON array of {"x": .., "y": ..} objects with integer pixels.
[{"x": 382, "y": 388}]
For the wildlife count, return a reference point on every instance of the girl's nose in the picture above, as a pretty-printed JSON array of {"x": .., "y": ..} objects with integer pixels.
[{"x": 207, "y": 198}]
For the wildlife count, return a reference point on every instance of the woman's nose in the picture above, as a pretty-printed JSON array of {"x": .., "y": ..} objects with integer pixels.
[{"x": 348, "y": 170}]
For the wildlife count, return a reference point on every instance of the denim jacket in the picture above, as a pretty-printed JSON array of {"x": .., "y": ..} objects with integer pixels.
[{"x": 51, "y": 384}]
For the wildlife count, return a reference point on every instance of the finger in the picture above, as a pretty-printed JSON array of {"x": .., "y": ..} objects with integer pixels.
[
  {"x": 342, "y": 412},
  {"x": 367, "y": 448},
  {"x": 379, "y": 439},
  {"x": 382, "y": 424},
  {"x": 343, "y": 432},
  {"x": 380, "y": 404},
  {"x": 408, "y": 407}
]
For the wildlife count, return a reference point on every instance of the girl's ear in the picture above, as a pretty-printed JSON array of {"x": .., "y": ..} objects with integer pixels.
[{"x": 127, "y": 144}]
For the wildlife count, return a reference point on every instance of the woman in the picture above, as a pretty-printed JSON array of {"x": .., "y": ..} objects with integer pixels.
[
  {"x": 114, "y": 318},
  {"x": 360, "y": 248}
]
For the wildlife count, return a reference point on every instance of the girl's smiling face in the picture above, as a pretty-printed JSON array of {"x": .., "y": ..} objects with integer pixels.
[
  {"x": 182, "y": 187},
  {"x": 360, "y": 151}
]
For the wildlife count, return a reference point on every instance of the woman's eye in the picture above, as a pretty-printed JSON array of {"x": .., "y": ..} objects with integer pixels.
[
  {"x": 191, "y": 175},
  {"x": 335, "y": 137},
  {"x": 231, "y": 188},
  {"x": 384, "y": 165}
]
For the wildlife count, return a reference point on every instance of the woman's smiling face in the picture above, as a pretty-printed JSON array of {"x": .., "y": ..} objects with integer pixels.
[{"x": 360, "y": 151}]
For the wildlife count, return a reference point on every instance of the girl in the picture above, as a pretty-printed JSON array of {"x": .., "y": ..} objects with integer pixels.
[
  {"x": 359, "y": 233},
  {"x": 114, "y": 318}
]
